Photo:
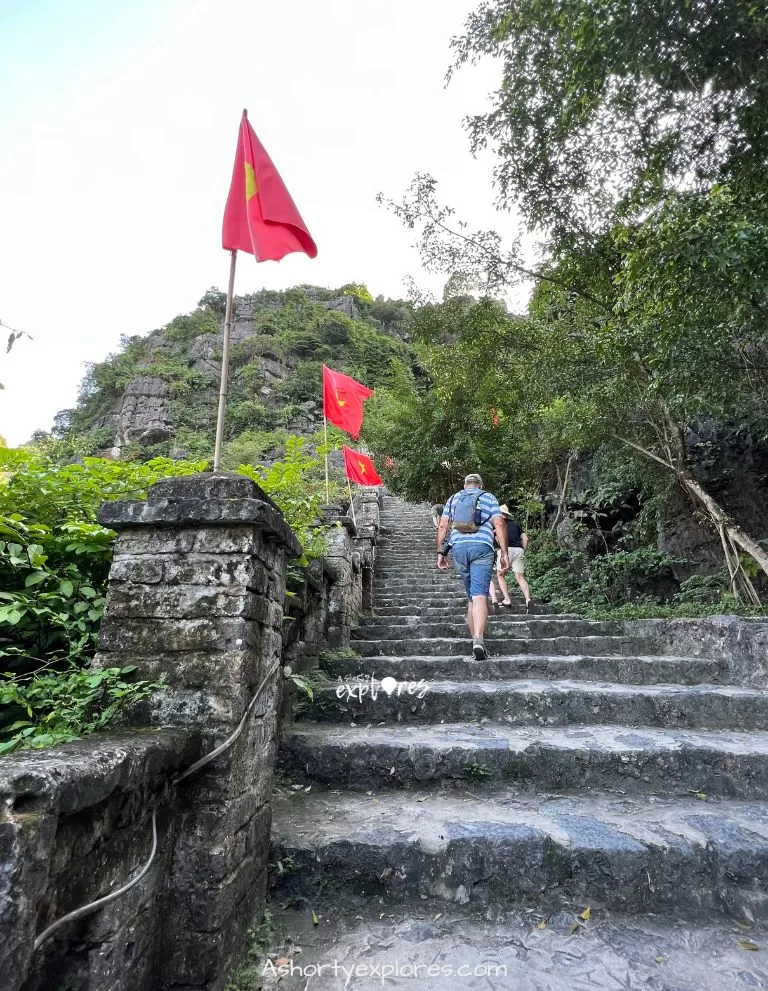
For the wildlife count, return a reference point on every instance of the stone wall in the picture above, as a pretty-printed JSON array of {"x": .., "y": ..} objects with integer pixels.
[
  {"x": 333, "y": 594},
  {"x": 196, "y": 597},
  {"x": 740, "y": 643},
  {"x": 76, "y": 824}
]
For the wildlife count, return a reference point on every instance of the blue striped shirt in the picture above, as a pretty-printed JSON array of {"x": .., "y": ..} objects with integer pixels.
[{"x": 488, "y": 505}]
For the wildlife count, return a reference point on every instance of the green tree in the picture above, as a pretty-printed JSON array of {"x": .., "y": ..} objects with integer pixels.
[{"x": 605, "y": 106}]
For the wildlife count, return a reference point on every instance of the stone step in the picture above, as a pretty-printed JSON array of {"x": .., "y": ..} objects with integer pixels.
[
  {"x": 601, "y": 850},
  {"x": 412, "y": 612},
  {"x": 524, "y": 949},
  {"x": 408, "y": 573},
  {"x": 449, "y": 599},
  {"x": 609, "y": 757},
  {"x": 404, "y": 583},
  {"x": 630, "y": 669},
  {"x": 542, "y": 703},
  {"x": 499, "y": 626},
  {"x": 424, "y": 593},
  {"x": 498, "y": 646},
  {"x": 420, "y": 553}
]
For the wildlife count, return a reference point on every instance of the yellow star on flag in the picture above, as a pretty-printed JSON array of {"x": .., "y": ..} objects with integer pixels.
[{"x": 251, "y": 186}]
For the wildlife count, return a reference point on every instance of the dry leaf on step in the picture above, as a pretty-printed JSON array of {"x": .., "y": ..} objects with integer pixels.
[{"x": 747, "y": 944}]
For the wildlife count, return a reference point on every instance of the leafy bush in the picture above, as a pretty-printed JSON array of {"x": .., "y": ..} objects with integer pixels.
[
  {"x": 700, "y": 589},
  {"x": 54, "y": 555},
  {"x": 296, "y": 483},
  {"x": 635, "y": 584},
  {"x": 304, "y": 383},
  {"x": 249, "y": 414},
  {"x": 358, "y": 291},
  {"x": 54, "y": 561},
  {"x": 48, "y": 706},
  {"x": 628, "y": 575},
  {"x": 251, "y": 447},
  {"x": 305, "y": 342},
  {"x": 190, "y": 325},
  {"x": 335, "y": 328}
]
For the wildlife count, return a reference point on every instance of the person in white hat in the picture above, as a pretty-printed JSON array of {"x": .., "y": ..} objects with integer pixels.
[{"x": 517, "y": 541}]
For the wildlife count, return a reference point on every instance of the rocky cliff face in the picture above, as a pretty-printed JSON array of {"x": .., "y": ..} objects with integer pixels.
[{"x": 275, "y": 337}]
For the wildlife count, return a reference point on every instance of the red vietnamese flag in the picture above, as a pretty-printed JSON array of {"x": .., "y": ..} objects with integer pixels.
[
  {"x": 343, "y": 399},
  {"x": 260, "y": 217},
  {"x": 359, "y": 468}
]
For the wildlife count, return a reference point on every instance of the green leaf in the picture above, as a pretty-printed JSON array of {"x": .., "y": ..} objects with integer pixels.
[{"x": 35, "y": 578}]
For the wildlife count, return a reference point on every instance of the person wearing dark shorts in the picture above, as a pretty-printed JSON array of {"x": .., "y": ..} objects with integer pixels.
[
  {"x": 517, "y": 542},
  {"x": 473, "y": 555}
]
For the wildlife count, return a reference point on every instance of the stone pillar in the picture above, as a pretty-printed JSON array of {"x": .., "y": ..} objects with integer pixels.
[
  {"x": 195, "y": 597},
  {"x": 368, "y": 515},
  {"x": 342, "y": 573},
  {"x": 351, "y": 549}
]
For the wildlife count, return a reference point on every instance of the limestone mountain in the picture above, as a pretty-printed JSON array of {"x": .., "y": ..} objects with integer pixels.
[{"x": 158, "y": 394}]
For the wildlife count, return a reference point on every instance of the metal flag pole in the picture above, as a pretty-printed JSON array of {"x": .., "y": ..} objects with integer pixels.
[
  {"x": 351, "y": 502},
  {"x": 224, "y": 365}
]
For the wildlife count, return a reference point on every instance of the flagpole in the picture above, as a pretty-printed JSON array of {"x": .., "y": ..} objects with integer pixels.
[
  {"x": 224, "y": 365},
  {"x": 327, "y": 488},
  {"x": 351, "y": 502}
]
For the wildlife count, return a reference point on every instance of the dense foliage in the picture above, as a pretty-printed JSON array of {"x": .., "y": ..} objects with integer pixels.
[
  {"x": 54, "y": 561},
  {"x": 604, "y": 107},
  {"x": 634, "y": 142}
]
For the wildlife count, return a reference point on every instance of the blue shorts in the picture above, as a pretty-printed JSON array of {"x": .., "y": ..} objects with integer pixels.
[{"x": 473, "y": 561}]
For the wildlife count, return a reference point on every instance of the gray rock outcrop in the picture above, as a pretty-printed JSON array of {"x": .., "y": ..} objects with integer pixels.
[{"x": 145, "y": 415}]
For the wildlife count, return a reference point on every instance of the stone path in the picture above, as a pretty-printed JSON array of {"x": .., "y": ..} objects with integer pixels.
[{"x": 471, "y": 811}]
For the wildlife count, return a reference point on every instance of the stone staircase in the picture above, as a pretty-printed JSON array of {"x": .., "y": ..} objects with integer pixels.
[{"x": 577, "y": 766}]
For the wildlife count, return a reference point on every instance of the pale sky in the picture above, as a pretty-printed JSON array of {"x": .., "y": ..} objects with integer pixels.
[{"x": 119, "y": 124}]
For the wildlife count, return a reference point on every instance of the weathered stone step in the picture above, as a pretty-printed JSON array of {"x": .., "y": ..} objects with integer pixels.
[
  {"x": 414, "y": 611},
  {"x": 728, "y": 763},
  {"x": 450, "y": 597},
  {"x": 407, "y": 573},
  {"x": 648, "y": 669},
  {"x": 508, "y": 645},
  {"x": 529, "y": 949},
  {"x": 404, "y": 582},
  {"x": 424, "y": 598},
  {"x": 543, "y": 703},
  {"x": 389, "y": 556},
  {"x": 499, "y": 626},
  {"x": 425, "y": 563},
  {"x": 503, "y": 849}
]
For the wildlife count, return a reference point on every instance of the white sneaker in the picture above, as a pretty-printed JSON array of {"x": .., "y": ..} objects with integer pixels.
[{"x": 478, "y": 649}]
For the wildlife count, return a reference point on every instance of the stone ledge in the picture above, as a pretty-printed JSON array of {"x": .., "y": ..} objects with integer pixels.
[
  {"x": 740, "y": 642},
  {"x": 82, "y": 773},
  {"x": 124, "y": 514}
]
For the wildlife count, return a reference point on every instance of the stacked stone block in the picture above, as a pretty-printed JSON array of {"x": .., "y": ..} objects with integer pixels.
[{"x": 196, "y": 598}]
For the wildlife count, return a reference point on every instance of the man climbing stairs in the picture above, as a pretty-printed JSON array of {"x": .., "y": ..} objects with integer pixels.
[{"x": 578, "y": 800}]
